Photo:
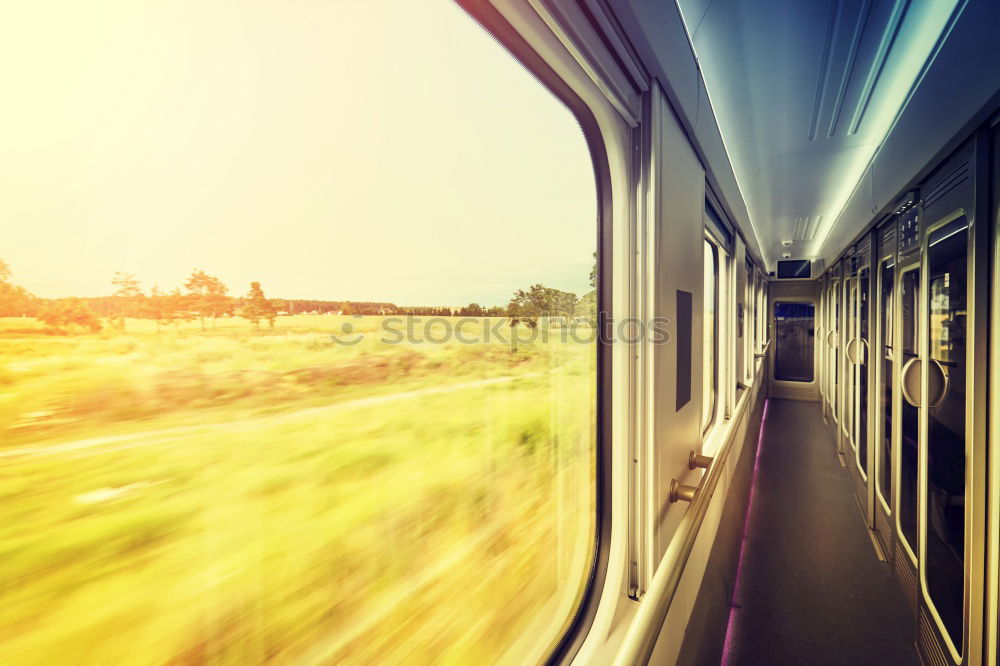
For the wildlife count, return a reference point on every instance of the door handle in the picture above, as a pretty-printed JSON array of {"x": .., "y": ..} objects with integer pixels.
[
  {"x": 937, "y": 383},
  {"x": 909, "y": 382},
  {"x": 857, "y": 354},
  {"x": 831, "y": 339}
]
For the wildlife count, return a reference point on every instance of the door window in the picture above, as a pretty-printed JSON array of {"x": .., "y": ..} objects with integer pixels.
[
  {"x": 944, "y": 508},
  {"x": 861, "y": 371},
  {"x": 909, "y": 292},
  {"x": 884, "y": 434},
  {"x": 794, "y": 341}
]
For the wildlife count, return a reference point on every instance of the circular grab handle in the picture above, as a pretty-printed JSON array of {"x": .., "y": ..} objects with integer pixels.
[
  {"x": 937, "y": 383},
  {"x": 831, "y": 339},
  {"x": 909, "y": 381},
  {"x": 857, "y": 354}
]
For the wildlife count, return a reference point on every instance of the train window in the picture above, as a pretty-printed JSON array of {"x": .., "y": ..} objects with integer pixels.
[
  {"x": 757, "y": 339},
  {"x": 909, "y": 328},
  {"x": 710, "y": 363},
  {"x": 363, "y": 430},
  {"x": 765, "y": 333},
  {"x": 943, "y": 519},
  {"x": 793, "y": 341},
  {"x": 748, "y": 325}
]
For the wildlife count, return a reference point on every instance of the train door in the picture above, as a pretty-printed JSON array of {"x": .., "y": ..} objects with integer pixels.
[
  {"x": 948, "y": 383},
  {"x": 907, "y": 426},
  {"x": 993, "y": 605},
  {"x": 820, "y": 334},
  {"x": 832, "y": 336},
  {"x": 850, "y": 332},
  {"x": 857, "y": 353},
  {"x": 883, "y": 358}
]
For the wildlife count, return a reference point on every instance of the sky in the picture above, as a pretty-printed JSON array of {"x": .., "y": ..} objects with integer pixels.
[{"x": 331, "y": 149}]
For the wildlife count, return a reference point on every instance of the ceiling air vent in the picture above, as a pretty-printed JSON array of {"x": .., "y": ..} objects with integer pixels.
[{"x": 806, "y": 226}]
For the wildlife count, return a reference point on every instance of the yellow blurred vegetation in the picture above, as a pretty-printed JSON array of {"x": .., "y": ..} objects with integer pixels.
[{"x": 240, "y": 497}]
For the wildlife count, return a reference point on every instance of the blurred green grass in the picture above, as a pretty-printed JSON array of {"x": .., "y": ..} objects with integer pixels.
[{"x": 238, "y": 520}]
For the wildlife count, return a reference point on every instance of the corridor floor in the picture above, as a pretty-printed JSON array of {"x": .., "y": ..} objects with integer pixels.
[{"x": 811, "y": 590}]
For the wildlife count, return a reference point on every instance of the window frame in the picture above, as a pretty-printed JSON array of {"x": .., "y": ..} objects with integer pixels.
[
  {"x": 573, "y": 634},
  {"x": 716, "y": 237},
  {"x": 708, "y": 419},
  {"x": 811, "y": 302}
]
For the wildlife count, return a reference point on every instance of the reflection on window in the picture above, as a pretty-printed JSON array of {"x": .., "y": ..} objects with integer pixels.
[
  {"x": 862, "y": 371},
  {"x": 297, "y": 359},
  {"x": 794, "y": 336},
  {"x": 887, "y": 372},
  {"x": 909, "y": 288},
  {"x": 710, "y": 364},
  {"x": 944, "y": 518}
]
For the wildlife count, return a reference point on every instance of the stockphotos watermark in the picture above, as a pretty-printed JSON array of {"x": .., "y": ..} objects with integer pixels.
[{"x": 499, "y": 330}]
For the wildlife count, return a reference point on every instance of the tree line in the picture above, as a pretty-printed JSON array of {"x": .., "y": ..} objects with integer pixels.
[{"x": 206, "y": 298}]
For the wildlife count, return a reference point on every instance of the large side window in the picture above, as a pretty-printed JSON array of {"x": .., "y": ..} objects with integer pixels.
[
  {"x": 748, "y": 324},
  {"x": 710, "y": 357},
  {"x": 299, "y": 364}
]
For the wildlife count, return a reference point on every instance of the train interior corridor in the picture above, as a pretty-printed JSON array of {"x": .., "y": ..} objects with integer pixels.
[
  {"x": 500, "y": 332},
  {"x": 811, "y": 588}
]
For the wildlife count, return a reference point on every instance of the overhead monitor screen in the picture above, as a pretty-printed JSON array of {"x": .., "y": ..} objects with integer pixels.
[{"x": 794, "y": 268}]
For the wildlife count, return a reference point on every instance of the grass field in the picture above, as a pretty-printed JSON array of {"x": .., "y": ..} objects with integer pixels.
[{"x": 237, "y": 496}]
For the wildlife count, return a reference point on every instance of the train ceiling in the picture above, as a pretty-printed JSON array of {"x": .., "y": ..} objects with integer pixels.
[{"x": 828, "y": 108}]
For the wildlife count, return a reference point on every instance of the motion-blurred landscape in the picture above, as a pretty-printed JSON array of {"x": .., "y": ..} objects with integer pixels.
[
  {"x": 231, "y": 491},
  {"x": 199, "y": 200}
]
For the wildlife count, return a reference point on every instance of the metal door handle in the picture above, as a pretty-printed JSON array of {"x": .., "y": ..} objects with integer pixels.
[
  {"x": 857, "y": 355},
  {"x": 909, "y": 381},
  {"x": 937, "y": 383}
]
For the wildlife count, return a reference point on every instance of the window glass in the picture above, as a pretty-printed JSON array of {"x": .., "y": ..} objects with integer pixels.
[
  {"x": 850, "y": 370},
  {"x": 862, "y": 370},
  {"x": 834, "y": 365},
  {"x": 794, "y": 336},
  {"x": 909, "y": 294},
  {"x": 298, "y": 364},
  {"x": 884, "y": 436},
  {"x": 747, "y": 326},
  {"x": 710, "y": 364},
  {"x": 944, "y": 520}
]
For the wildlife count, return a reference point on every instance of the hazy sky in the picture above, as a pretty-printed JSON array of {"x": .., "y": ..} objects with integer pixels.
[{"x": 337, "y": 149}]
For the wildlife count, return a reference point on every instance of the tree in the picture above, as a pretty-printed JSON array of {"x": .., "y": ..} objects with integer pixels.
[
  {"x": 124, "y": 297},
  {"x": 257, "y": 306},
  {"x": 70, "y": 312},
  {"x": 15, "y": 301},
  {"x": 157, "y": 307},
  {"x": 539, "y": 301},
  {"x": 207, "y": 295},
  {"x": 472, "y": 310},
  {"x": 177, "y": 307},
  {"x": 586, "y": 307},
  {"x": 593, "y": 273}
]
